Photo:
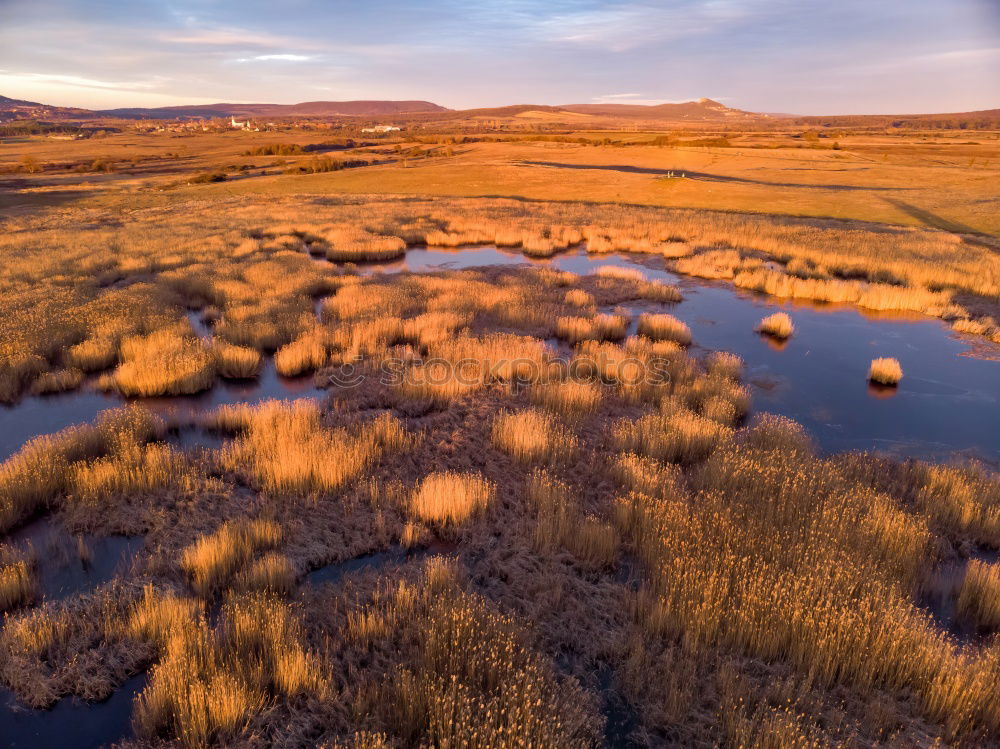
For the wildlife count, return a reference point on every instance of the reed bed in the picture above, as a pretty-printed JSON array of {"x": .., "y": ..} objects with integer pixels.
[
  {"x": 597, "y": 328},
  {"x": 284, "y": 447},
  {"x": 579, "y": 298},
  {"x": 58, "y": 381},
  {"x": 212, "y": 560},
  {"x": 776, "y": 588},
  {"x": 471, "y": 676},
  {"x": 354, "y": 244},
  {"x": 306, "y": 353},
  {"x": 664, "y": 327},
  {"x": 885, "y": 371},
  {"x": 163, "y": 363},
  {"x": 979, "y": 598},
  {"x": 532, "y": 436},
  {"x": 674, "y": 435},
  {"x": 448, "y": 498},
  {"x": 569, "y": 398},
  {"x": 779, "y": 325},
  {"x": 17, "y": 581},
  {"x": 92, "y": 355},
  {"x": 210, "y": 682},
  {"x": 236, "y": 362},
  {"x": 38, "y": 474}
]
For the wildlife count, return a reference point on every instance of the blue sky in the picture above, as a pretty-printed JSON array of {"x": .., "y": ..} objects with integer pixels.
[{"x": 830, "y": 56}]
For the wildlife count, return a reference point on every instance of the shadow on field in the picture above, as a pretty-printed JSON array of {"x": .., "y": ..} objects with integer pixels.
[
  {"x": 702, "y": 176},
  {"x": 931, "y": 220}
]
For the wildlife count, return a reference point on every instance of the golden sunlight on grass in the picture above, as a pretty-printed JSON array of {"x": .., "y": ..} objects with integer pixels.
[
  {"x": 212, "y": 560},
  {"x": 236, "y": 362},
  {"x": 284, "y": 447},
  {"x": 672, "y": 433},
  {"x": 779, "y": 325},
  {"x": 306, "y": 353},
  {"x": 570, "y": 397},
  {"x": 163, "y": 363},
  {"x": 209, "y": 682},
  {"x": 599, "y": 328},
  {"x": 449, "y": 498},
  {"x": 664, "y": 327},
  {"x": 885, "y": 371},
  {"x": 979, "y": 598},
  {"x": 532, "y": 435},
  {"x": 17, "y": 582}
]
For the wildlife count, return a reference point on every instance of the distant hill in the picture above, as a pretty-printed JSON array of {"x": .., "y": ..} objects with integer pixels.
[
  {"x": 18, "y": 109},
  {"x": 703, "y": 109},
  {"x": 983, "y": 119},
  {"x": 305, "y": 109}
]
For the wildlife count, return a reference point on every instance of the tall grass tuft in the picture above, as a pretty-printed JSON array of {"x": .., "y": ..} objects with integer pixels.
[
  {"x": 163, "y": 363},
  {"x": 570, "y": 397},
  {"x": 532, "y": 435},
  {"x": 284, "y": 447},
  {"x": 236, "y": 362},
  {"x": 979, "y": 598},
  {"x": 674, "y": 434},
  {"x": 17, "y": 581},
  {"x": 449, "y": 498},
  {"x": 664, "y": 328},
  {"x": 779, "y": 325},
  {"x": 885, "y": 371},
  {"x": 212, "y": 560},
  {"x": 209, "y": 682}
]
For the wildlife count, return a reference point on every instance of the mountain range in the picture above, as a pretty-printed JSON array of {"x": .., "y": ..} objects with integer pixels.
[{"x": 702, "y": 110}]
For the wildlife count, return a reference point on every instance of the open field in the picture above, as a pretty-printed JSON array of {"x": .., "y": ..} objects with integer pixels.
[
  {"x": 939, "y": 179},
  {"x": 505, "y": 506}
]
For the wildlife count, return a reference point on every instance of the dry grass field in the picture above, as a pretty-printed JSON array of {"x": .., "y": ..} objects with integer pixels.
[{"x": 509, "y": 518}]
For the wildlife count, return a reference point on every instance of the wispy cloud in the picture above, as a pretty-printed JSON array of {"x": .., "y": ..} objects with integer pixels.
[
  {"x": 229, "y": 37},
  {"x": 75, "y": 81},
  {"x": 635, "y": 99},
  {"x": 285, "y": 57},
  {"x": 627, "y": 26}
]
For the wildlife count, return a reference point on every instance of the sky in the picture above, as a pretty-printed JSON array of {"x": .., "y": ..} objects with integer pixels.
[{"x": 794, "y": 56}]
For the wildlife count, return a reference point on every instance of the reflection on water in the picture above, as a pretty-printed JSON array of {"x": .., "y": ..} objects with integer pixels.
[
  {"x": 67, "y": 565},
  {"x": 34, "y": 416},
  {"x": 71, "y": 722},
  {"x": 946, "y": 402}
]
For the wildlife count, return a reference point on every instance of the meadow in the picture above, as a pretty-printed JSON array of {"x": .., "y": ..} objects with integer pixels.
[{"x": 541, "y": 519}]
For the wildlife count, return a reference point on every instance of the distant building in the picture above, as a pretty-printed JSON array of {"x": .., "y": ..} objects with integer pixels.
[
  {"x": 380, "y": 129},
  {"x": 243, "y": 125}
]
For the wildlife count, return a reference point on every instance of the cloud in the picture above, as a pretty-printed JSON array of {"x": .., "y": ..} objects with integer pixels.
[
  {"x": 631, "y": 25},
  {"x": 229, "y": 37},
  {"x": 74, "y": 81},
  {"x": 634, "y": 99},
  {"x": 280, "y": 57}
]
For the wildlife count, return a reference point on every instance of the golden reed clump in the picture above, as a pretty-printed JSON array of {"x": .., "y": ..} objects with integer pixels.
[
  {"x": 885, "y": 371},
  {"x": 283, "y": 446},
  {"x": 236, "y": 362},
  {"x": 209, "y": 682},
  {"x": 449, "y": 498},
  {"x": 532, "y": 435},
  {"x": 979, "y": 598},
  {"x": 569, "y": 397},
  {"x": 163, "y": 363},
  {"x": 664, "y": 327},
  {"x": 213, "y": 559},
  {"x": 779, "y": 325}
]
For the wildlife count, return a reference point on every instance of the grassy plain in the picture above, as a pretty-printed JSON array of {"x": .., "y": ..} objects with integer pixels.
[{"x": 536, "y": 550}]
